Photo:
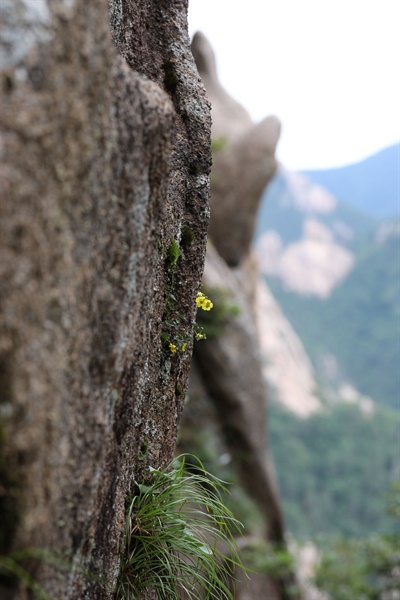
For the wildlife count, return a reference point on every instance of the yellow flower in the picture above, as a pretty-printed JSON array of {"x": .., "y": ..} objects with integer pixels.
[
  {"x": 184, "y": 347},
  {"x": 203, "y": 302},
  {"x": 199, "y": 299},
  {"x": 200, "y": 336},
  {"x": 172, "y": 347},
  {"x": 207, "y": 305}
]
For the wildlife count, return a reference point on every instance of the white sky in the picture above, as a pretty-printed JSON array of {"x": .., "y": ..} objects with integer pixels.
[{"x": 329, "y": 69}]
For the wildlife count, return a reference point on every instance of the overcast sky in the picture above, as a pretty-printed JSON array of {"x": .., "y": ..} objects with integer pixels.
[{"x": 329, "y": 69}]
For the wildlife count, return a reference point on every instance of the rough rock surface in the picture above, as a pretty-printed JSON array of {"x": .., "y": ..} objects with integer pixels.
[{"x": 105, "y": 161}]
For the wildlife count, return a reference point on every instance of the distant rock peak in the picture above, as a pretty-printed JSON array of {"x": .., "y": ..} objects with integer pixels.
[
  {"x": 309, "y": 197},
  {"x": 311, "y": 266}
]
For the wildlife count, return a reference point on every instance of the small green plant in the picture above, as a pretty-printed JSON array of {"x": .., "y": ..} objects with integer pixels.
[
  {"x": 143, "y": 450},
  {"x": 173, "y": 253},
  {"x": 213, "y": 324},
  {"x": 174, "y": 334},
  {"x": 13, "y": 571},
  {"x": 188, "y": 236},
  {"x": 218, "y": 144},
  {"x": 177, "y": 332},
  {"x": 179, "y": 538}
]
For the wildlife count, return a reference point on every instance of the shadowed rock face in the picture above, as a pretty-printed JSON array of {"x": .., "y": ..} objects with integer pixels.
[
  {"x": 243, "y": 164},
  {"x": 105, "y": 161}
]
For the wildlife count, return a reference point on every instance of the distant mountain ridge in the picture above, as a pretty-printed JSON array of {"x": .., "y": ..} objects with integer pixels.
[
  {"x": 354, "y": 334},
  {"x": 305, "y": 237},
  {"x": 371, "y": 185},
  {"x": 335, "y": 271},
  {"x": 330, "y": 328},
  {"x": 287, "y": 200}
]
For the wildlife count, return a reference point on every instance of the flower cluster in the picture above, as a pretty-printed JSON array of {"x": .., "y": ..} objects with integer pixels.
[
  {"x": 203, "y": 302},
  {"x": 174, "y": 347},
  {"x": 175, "y": 335}
]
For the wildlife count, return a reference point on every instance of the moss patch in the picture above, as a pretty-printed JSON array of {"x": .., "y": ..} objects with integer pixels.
[
  {"x": 173, "y": 254},
  {"x": 188, "y": 236}
]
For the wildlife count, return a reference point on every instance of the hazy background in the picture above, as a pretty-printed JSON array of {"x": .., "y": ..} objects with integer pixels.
[
  {"x": 328, "y": 70},
  {"x": 328, "y": 243}
]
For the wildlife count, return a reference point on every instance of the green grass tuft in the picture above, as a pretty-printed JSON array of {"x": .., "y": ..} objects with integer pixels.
[{"x": 179, "y": 537}]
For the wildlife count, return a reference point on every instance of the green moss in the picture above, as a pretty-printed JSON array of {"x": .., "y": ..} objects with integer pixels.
[
  {"x": 143, "y": 450},
  {"x": 188, "y": 236},
  {"x": 173, "y": 254}
]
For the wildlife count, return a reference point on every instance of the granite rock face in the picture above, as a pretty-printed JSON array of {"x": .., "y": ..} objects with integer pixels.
[
  {"x": 105, "y": 142},
  {"x": 244, "y": 154}
]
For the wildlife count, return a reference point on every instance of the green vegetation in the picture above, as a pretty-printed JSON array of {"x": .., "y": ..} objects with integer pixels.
[
  {"x": 176, "y": 526},
  {"x": 218, "y": 144},
  {"x": 262, "y": 557},
  {"x": 188, "y": 236},
  {"x": 224, "y": 309},
  {"x": 363, "y": 569},
  {"x": 202, "y": 437},
  {"x": 173, "y": 254},
  {"x": 175, "y": 332},
  {"x": 17, "y": 567},
  {"x": 333, "y": 469},
  {"x": 359, "y": 323},
  {"x": 360, "y": 569},
  {"x": 12, "y": 573}
]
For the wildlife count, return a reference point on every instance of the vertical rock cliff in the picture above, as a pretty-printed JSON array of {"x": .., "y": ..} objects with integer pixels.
[{"x": 105, "y": 137}]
